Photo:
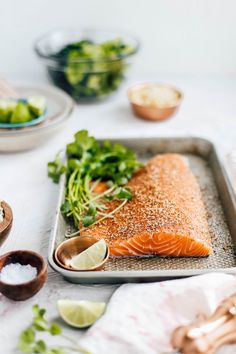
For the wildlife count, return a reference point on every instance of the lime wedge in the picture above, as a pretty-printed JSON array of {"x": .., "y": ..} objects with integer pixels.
[
  {"x": 92, "y": 256},
  {"x": 80, "y": 314},
  {"x": 21, "y": 114},
  {"x": 37, "y": 105},
  {"x": 7, "y": 106}
]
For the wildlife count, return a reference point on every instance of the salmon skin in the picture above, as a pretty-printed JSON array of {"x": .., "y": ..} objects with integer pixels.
[{"x": 166, "y": 215}]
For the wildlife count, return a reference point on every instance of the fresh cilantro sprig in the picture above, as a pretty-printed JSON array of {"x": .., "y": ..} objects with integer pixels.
[
  {"x": 56, "y": 169},
  {"x": 29, "y": 343},
  {"x": 89, "y": 163}
]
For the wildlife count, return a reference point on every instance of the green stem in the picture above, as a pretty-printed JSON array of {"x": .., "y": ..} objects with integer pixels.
[
  {"x": 75, "y": 348},
  {"x": 101, "y": 195},
  {"x": 94, "y": 185},
  {"x": 102, "y": 214},
  {"x": 69, "y": 339},
  {"x": 72, "y": 235},
  {"x": 107, "y": 215}
]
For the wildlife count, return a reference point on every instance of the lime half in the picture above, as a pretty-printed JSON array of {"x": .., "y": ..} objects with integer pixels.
[
  {"x": 91, "y": 257},
  {"x": 7, "y": 106},
  {"x": 37, "y": 105},
  {"x": 80, "y": 314}
]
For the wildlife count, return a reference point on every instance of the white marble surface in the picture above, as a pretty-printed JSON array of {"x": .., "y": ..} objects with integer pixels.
[{"x": 208, "y": 110}]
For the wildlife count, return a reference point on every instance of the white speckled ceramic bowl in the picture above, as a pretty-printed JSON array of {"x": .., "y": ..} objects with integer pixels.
[{"x": 59, "y": 108}]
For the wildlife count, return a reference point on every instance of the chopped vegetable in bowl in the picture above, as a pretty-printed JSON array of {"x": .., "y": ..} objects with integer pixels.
[
  {"x": 91, "y": 67},
  {"x": 17, "y": 113}
]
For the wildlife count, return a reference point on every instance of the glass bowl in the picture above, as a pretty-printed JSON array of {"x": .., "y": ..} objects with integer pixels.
[{"x": 85, "y": 78}]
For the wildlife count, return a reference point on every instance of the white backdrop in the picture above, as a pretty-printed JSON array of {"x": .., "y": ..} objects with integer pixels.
[{"x": 178, "y": 36}]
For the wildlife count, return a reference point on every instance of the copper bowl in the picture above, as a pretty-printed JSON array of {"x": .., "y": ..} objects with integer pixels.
[
  {"x": 153, "y": 113},
  {"x": 72, "y": 247},
  {"x": 6, "y": 224},
  {"x": 26, "y": 290}
]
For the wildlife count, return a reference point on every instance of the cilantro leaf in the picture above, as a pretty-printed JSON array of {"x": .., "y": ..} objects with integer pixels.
[
  {"x": 92, "y": 210},
  {"x": 123, "y": 193},
  {"x": 55, "y": 329},
  {"x": 25, "y": 347},
  {"x": 28, "y": 335},
  {"x": 40, "y": 324},
  {"x": 40, "y": 347},
  {"x": 29, "y": 344},
  {"x": 56, "y": 169},
  {"x": 88, "y": 220},
  {"x": 66, "y": 207}
]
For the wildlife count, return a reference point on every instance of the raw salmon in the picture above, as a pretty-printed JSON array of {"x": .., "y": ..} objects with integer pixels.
[{"x": 166, "y": 215}]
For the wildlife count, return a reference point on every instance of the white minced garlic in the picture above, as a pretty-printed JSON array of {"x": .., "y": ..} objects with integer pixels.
[
  {"x": 1, "y": 212},
  {"x": 16, "y": 273},
  {"x": 155, "y": 95}
]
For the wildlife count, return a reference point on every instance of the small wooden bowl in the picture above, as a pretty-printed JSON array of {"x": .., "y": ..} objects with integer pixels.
[
  {"x": 26, "y": 290},
  {"x": 149, "y": 112},
  {"x": 6, "y": 224},
  {"x": 72, "y": 247}
]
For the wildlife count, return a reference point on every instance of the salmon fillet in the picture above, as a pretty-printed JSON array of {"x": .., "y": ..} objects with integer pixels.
[{"x": 166, "y": 215}]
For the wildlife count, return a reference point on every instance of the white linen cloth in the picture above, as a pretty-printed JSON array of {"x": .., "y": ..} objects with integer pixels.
[{"x": 141, "y": 317}]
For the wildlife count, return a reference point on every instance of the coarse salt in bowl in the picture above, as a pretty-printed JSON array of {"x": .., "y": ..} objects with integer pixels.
[
  {"x": 16, "y": 273},
  {"x": 6, "y": 220},
  {"x": 22, "y": 274}
]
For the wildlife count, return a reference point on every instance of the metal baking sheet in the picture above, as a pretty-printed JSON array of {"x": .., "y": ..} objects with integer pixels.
[{"x": 220, "y": 203}]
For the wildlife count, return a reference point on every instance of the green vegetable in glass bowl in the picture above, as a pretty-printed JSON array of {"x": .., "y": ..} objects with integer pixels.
[{"x": 93, "y": 66}]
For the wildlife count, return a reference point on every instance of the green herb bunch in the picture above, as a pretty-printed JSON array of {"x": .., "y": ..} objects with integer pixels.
[
  {"x": 28, "y": 342},
  {"x": 90, "y": 162}
]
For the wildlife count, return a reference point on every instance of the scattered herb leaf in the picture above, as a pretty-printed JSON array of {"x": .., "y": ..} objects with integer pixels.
[
  {"x": 28, "y": 342},
  {"x": 88, "y": 220},
  {"x": 123, "y": 193},
  {"x": 56, "y": 169}
]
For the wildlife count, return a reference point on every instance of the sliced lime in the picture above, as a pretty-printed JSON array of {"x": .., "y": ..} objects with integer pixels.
[
  {"x": 80, "y": 314},
  {"x": 91, "y": 257},
  {"x": 7, "y": 106},
  {"x": 37, "y": 105},
  {"x": 21, "y": 114}
]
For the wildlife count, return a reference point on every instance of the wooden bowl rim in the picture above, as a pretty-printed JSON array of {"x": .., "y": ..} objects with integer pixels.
[
  {"x": 139, "y": 85},
  {"x": 42, "y": 270},
  {"x": 6, "y": 223}
]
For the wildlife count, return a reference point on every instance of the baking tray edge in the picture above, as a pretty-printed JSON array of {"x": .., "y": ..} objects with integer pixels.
[{"x": 112, "y": 277}]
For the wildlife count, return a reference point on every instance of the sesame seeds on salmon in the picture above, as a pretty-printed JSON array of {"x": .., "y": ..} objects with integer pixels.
[{"x": 166, "y": 215}]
